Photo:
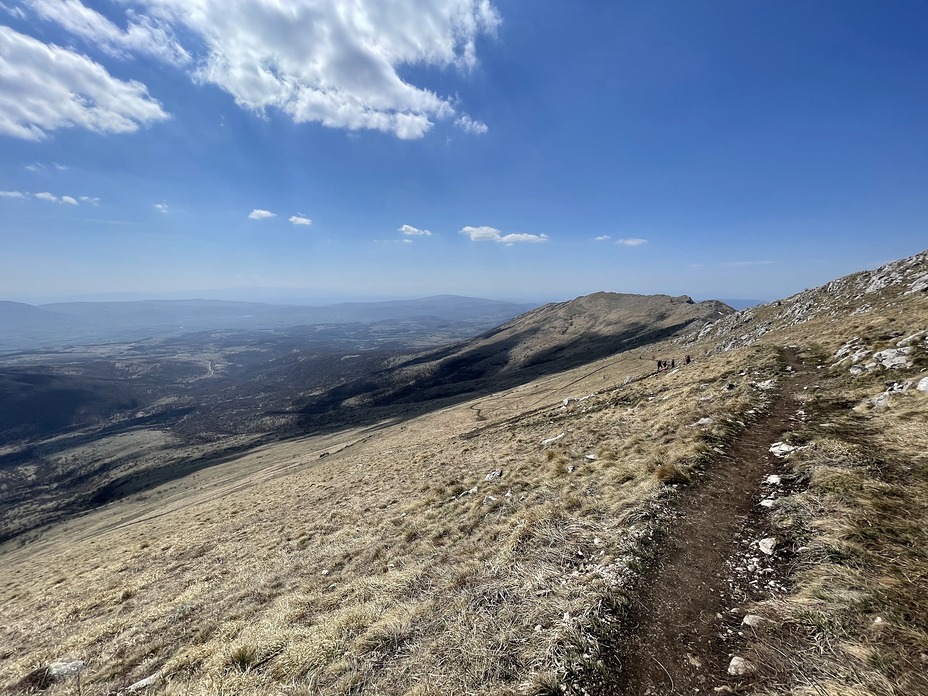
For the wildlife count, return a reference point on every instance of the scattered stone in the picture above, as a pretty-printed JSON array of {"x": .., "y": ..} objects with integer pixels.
[
  {"x": 768, "y": 502},
  {"x": 592, "y": 457},
  {"x": 489, "y": 500},
  {"x": 773, "y": 480},
  {"x": 781, "y": 449},
  {"x": 754, "y": 621},
  {"x": 553, "y": 439},
  {"x": 43, "y": 677},
  {"x": 143, "y": 683},
  {"x": 766, "y": 385},
  {"x": 701, "y": 421},
  {"x": 739, "y": 667},
  {"x": 494, "y": 475},
  {"x": 325, "y": 571},
  {"x": 767, "y": 545},
  {"x": 922, "y": 385}
]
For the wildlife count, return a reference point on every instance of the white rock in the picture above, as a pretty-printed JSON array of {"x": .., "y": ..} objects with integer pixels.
[
  {"x": 59, "y": 671},
  {"x": 894, "y": 358},
  {"x": 768, "y": 502},
  {"x": 781, "y": 449},
  {"x": 143, "y": 683},
  {"x": 493, "y": 475},
  {"x": 767, "y": 545},
  {"x": 922, "y": 385},
  {"x": 553, "y": 439},
  {"x": 739, "y": 667},
  {"x": 766, "y": 384},
  {"x": 773, "y": 480},
  {"x": 753, "y": 620}
]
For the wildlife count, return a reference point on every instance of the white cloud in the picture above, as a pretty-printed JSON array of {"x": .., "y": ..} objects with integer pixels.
[
  {"x": 297, "y": 219},
  {"x": 12, "y": 194},
  {"x": 491, "y": 234},
  {"x": 46, "y": 196},
  {"x": 93, "y": 200},
  {"x": 161, "y": 207},
  {"x": 35, "y": 167},
  {"x": 143, "y": 34},
  {"x": 323, "y": 61},
  {"x": 602, "y": 238},
  {"x": 413, "y": 231},
  {"x": 469, "y": 125},
  {"x": 44, "y": 87},
  {"x": 70, "y": 200},
  {"x": 632, "y": 242},
  {"x": 258, "y": 214},
  {"x": 17, "y": 12},
  {"x": 407, "y": 241}
]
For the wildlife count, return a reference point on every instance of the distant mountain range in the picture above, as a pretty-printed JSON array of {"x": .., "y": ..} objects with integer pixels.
[{"x": 25, "y": 326}]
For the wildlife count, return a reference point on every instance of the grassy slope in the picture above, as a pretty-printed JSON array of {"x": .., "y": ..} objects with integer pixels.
[{"x": 379, "y": 568}]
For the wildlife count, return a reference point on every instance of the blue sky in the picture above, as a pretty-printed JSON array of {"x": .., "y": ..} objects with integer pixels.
[{"x": 550, "y": 149}]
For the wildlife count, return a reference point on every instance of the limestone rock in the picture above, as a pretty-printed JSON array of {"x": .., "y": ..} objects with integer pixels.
[
  {"x": 739, "y": 667},
  {"x": 767, "y": 545},
  {"x": 922, "y": 385},
  {"x": 143, "y": 683},
  {"x": 781, "y": 449},
  {"x": 494, "y": 475}
]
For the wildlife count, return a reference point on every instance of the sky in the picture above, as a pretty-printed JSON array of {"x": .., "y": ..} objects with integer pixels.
[{"x": 539, "y": 150}]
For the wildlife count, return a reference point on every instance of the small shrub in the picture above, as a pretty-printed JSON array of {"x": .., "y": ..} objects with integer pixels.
[{"x": 244, "y": 657}]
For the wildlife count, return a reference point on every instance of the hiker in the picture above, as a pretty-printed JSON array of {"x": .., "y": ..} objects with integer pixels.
[
  {"x": 686, "y": 360},
  {"x": 659, "y": 365},
  {"x": 673, "y": 363}
]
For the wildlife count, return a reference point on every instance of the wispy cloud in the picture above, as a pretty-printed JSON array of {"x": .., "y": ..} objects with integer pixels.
[
  {"x": 414, "y": 231},
  {"x": 46, "y": 196},
  {"x": 258, "y": 214},
  {"x": 297, "y": 219},
  {"x": 70, "y": 200},
  {"x": 161, "y": 207},
  {"x": 631, "y": 242},
  {"x": 469, "y": 125},
  {"x": 92, "y": 200},
  {"x": 12, "y": 194},
  {"x": 491, "y": 234},
  {"x": 59, "y": 88},
  {"x": 602, "y": 238},
  {"x": 144, "y": 34}
]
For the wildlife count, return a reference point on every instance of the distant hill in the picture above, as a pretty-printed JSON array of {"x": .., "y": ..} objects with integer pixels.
[
  {"x": 545, "y": 340},
  {"x": 27, "y": 326}
]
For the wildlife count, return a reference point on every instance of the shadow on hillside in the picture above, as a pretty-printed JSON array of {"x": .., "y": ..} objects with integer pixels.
[{"x": 456, "y": 376}]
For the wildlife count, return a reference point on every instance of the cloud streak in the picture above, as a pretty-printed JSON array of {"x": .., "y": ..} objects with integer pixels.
[
  {"x": 491, "y": 234},
  {"x": 631, "y": 242},
  {"x": 300, "y": 220},
  {"x": 411, "y": 231}
]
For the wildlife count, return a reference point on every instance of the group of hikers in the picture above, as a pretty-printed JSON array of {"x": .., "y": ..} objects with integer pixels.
[{"x": 664, "y": 365}]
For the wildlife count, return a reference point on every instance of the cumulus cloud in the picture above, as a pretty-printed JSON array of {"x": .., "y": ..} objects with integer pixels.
[
  {"x": 323, "y": 61},
  {"x": 44, "y": 87},
  {"x": 46, "y": 196},
  {"x": 143, "y": 34},
  {"x": 297, "y": 219},
  {"x": 632, "y": 241},
  {"x": 258, "y": 214},
  {"x": 491, "y": 234},
  {"x": 602, "y": 238},
  {"x": 12, "y": 194},
  {"x": 414, "y": 231},
  {"x": 70, "y": 200},
  {"x": 161, "y": 207},
  {"x": 469, "y": 125}
]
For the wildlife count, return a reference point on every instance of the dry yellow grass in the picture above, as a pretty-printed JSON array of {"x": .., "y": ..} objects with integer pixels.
[
  {"x": 389, "y": 566},
  {"x": 394, "y": 566}
]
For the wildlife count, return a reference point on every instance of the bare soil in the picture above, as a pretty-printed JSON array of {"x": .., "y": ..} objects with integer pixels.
[{"x": 681, "y": 628}]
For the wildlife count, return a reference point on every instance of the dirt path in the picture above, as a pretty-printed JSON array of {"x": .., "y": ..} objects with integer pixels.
[{"x": 677, "y": 639}]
